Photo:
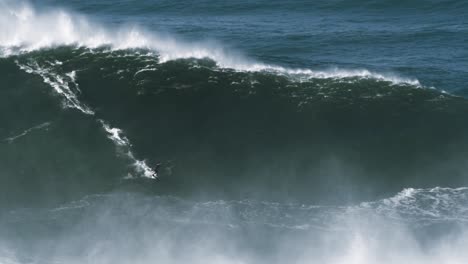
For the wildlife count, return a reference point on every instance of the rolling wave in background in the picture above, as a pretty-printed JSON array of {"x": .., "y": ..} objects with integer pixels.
[
  {"x": 261, "y": 162},
  {"x": 24, "y": 30}
]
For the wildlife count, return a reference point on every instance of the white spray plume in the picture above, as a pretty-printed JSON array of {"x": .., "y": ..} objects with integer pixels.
[{"x": 24, "y": 29}]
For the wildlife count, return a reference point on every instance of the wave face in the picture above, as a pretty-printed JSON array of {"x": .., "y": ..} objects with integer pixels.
[
  {"x": 268, "y": 154},
  {"x": 240, "y": 132}
]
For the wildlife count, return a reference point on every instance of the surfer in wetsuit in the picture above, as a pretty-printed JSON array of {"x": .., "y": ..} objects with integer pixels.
[{"x": 156, "y": 169}]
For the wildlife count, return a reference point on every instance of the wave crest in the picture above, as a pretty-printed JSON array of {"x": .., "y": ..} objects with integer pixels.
[{"x": 25, "y": 29}]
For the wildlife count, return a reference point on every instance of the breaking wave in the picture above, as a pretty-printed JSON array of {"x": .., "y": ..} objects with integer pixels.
[
  {"x": 25, "y": 29},
  {"x": 132, "y": 97}
]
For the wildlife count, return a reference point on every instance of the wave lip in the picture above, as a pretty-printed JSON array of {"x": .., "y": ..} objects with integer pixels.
[
  {"x": 334, "y": 73},
  {"x": 24, "y": 29}
]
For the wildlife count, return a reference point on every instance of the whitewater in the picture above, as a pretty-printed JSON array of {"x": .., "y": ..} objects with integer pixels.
[{"x": 26, "y": 30}]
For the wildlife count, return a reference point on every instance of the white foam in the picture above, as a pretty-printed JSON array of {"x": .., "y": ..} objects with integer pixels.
[
  {"x": 333, "y": 73},
  {"x": 44, "y": 125},
  {"x": 59, "y": 83},
  {"x": 130, "y": 227},
  {"x": 124, "y": 146},
  {"x": 432, "y": 205},
  {"x": 116, "y": 135},
  {"x": 24, "y": 29}
]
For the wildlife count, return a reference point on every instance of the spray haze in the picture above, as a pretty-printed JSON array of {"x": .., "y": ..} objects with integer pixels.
[{"x": 124, "y": 227}]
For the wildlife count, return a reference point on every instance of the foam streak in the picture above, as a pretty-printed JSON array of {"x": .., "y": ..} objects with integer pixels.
[
  {"x": 60, "y": 85},
  {"x": 44, "y": 125},
  {"x": 123, "y": 145}
]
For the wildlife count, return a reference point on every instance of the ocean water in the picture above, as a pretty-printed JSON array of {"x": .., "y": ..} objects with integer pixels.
[{"x": 287, "y": 131}]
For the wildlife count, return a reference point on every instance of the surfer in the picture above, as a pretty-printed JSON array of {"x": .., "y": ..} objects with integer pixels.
[{"x": 156, "y": 170}]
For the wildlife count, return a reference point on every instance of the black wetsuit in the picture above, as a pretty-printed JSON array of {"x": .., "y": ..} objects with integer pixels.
[{"x": 156, "y": 169}]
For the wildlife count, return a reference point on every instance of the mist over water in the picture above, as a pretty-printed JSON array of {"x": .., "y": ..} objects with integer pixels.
[
  {"x": 126, "y": 227},
  {"x": 302, "y": 134}
]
